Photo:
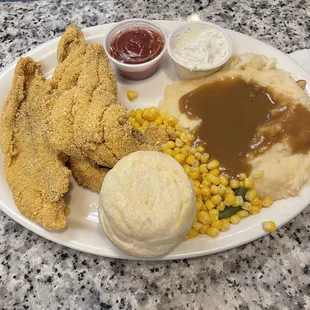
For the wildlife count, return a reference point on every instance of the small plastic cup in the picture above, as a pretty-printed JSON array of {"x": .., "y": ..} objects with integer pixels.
[
  {"x": 135, "y": 71},
  {"x": 185, "y": 72}
]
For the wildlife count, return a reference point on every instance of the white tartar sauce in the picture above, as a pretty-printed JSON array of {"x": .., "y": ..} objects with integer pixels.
[{"x": 198, "y": 49}]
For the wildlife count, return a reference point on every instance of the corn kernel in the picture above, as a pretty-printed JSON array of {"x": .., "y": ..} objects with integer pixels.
[
  {"x": 214, "y": 189},
  {"x": 179, "y": 142},
  {"x": 151, "y": 114},
  {"x": 216, "y": 181},
  {"x": 213, "y": 164},
  {"x": 183, "y": 137},
  {"x": 131, "y": 119},
  {"x": 197, "y": 190},
  {"x": 158, "y": 121},
  {"x": 132, "y": 113},
  {"x": 216, "y": 224},
  {"x": 221, "y": 206},
  {"x": 204, "y": 158},
  {"x": 139, "y": 112},
  {"x": 204, "y": 218},
  {"x": 190, "y": 159},
  {"x": 255, "y": 201},
  {"x": 212, "y": 232},
  {"x": 197, "y": 155},
  {"x": 203, "y": 168},
  {"x": 248, "y": 182},
  {"x": 214, "y": 214},
  {"x": 241, "y": 183},
  {"x": 192, "y": 233},
  {"x": 195, "y": 163},
  {"x": 67, "y": 211},
  {"x": 145, "y": 112},
  {"x": 200, "y": 149},
  {"x": 243, "y": 214},
  {"x": 216, "y": 199},
  {"x": 170, "y": 144},
  {"x": 194, "y": 174},
  {"x": 234, "y": 183},
  {"x": 191, "y": 138},
  {"x": 209, "y": 204},
  {"x": 198, "y": 205},
  {"x": 225, "y": 224},
  {"x": 199, "y": 198},
  {"x": 239, "y": 201},
  {"x": 230, "y": 200},
  {"x": 204, "y": 207},
  {"x": 234, "y": 219},
  {"x": 173, "y": 121},
  {"x": 131, "y": 94},
  {"x": 197, "y": 183},
  {"x": 254, "y": 210},
  {"x": 196, "y": 226},
  {"x": 224, "y": 180},
  {"x": 192, "y": 150},
  {"x": 229, "y": 191},
  {"x": 205, "y": 183},
  {"x": 242, "y": 176},
  {"x": 209, "y": 177},
  {"x": 221, "y": 190},
  {"x": 139, "y": 119},
  {"x": 136, "y": 125},
  {"x": 216, "y": 172},
  {"x": 145, "y": 123},
  {"x": 269, "y": 226},
  {"x": 187, "y": 169},
  {"x": 177, "y": 150},
  {"x": 246, "y": 206},
  {"x": 205, "y": 191},
  {"x": 250, "y": 194},
  {"x": 203, "y": 229},
  {"x": 267, "y": 202},
  {"x": 168, "y": 152}
]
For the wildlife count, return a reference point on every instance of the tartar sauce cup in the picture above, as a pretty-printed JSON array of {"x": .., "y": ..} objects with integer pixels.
[
  {"x": 135, "y": 71},
  {"x": 192, "y": 33}
]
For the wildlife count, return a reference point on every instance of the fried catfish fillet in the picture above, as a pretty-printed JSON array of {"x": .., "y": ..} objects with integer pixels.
[
  {"x": 36, "y": 175},
  {"x": 87, "y": 173},
  {"x": 86, "y": 119}
]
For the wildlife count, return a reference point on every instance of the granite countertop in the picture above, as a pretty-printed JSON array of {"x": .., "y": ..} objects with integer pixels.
[{"x": 270, "y": 273}]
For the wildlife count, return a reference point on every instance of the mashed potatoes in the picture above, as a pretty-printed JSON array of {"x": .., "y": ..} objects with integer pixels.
[
  {"x": 147, "y": 204},
  {"x": 283, "y": 173}
]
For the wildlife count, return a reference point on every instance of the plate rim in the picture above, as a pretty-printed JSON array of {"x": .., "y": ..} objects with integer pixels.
[{"x": 39, "y": 230}]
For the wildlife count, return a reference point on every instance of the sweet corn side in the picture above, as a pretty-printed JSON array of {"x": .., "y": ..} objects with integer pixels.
[{"x": 220, "y": 200}]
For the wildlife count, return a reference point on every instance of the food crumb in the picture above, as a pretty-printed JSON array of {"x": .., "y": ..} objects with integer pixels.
[
  {"x": 269, "y": 226},
  {"x": 131, "y": 94}
]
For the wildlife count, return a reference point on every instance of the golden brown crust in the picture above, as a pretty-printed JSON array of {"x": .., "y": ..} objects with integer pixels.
[
  {"x": 87, "y": 174},
  {"x": 37, "y": 177}
]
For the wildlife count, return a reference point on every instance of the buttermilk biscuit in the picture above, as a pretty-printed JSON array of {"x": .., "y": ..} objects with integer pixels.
[{"x": 147, "y": 204}]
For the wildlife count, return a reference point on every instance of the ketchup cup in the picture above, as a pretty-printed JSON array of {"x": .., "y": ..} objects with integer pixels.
[{"x": 134, "y": 71}]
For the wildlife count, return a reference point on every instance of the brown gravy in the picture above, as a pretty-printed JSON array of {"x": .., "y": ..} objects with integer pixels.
[{"x": 240, "y": 120}]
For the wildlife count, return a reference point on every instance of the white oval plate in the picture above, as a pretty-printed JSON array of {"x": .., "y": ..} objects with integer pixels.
[{"x": 84, "y": 232}]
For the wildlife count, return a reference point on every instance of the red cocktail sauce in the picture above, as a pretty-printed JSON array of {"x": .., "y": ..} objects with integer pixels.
[{"x": 136, "y": 45}]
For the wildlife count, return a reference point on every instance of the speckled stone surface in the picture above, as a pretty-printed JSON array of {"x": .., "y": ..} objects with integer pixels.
[{"x": 271, "y": 273}]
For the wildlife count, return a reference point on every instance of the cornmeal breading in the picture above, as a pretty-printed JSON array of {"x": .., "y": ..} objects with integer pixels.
[
  {"x": 87, "y": 173},
  {"x": 75, "y": 117},
  {"x": 37, "y": 177}
]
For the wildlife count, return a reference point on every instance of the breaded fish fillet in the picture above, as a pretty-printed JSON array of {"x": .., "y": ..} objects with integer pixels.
[
  {"x": 86, "y": 119},
  {"x": 35, "y": 173},
  {"x": 87, "y": 173}
]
